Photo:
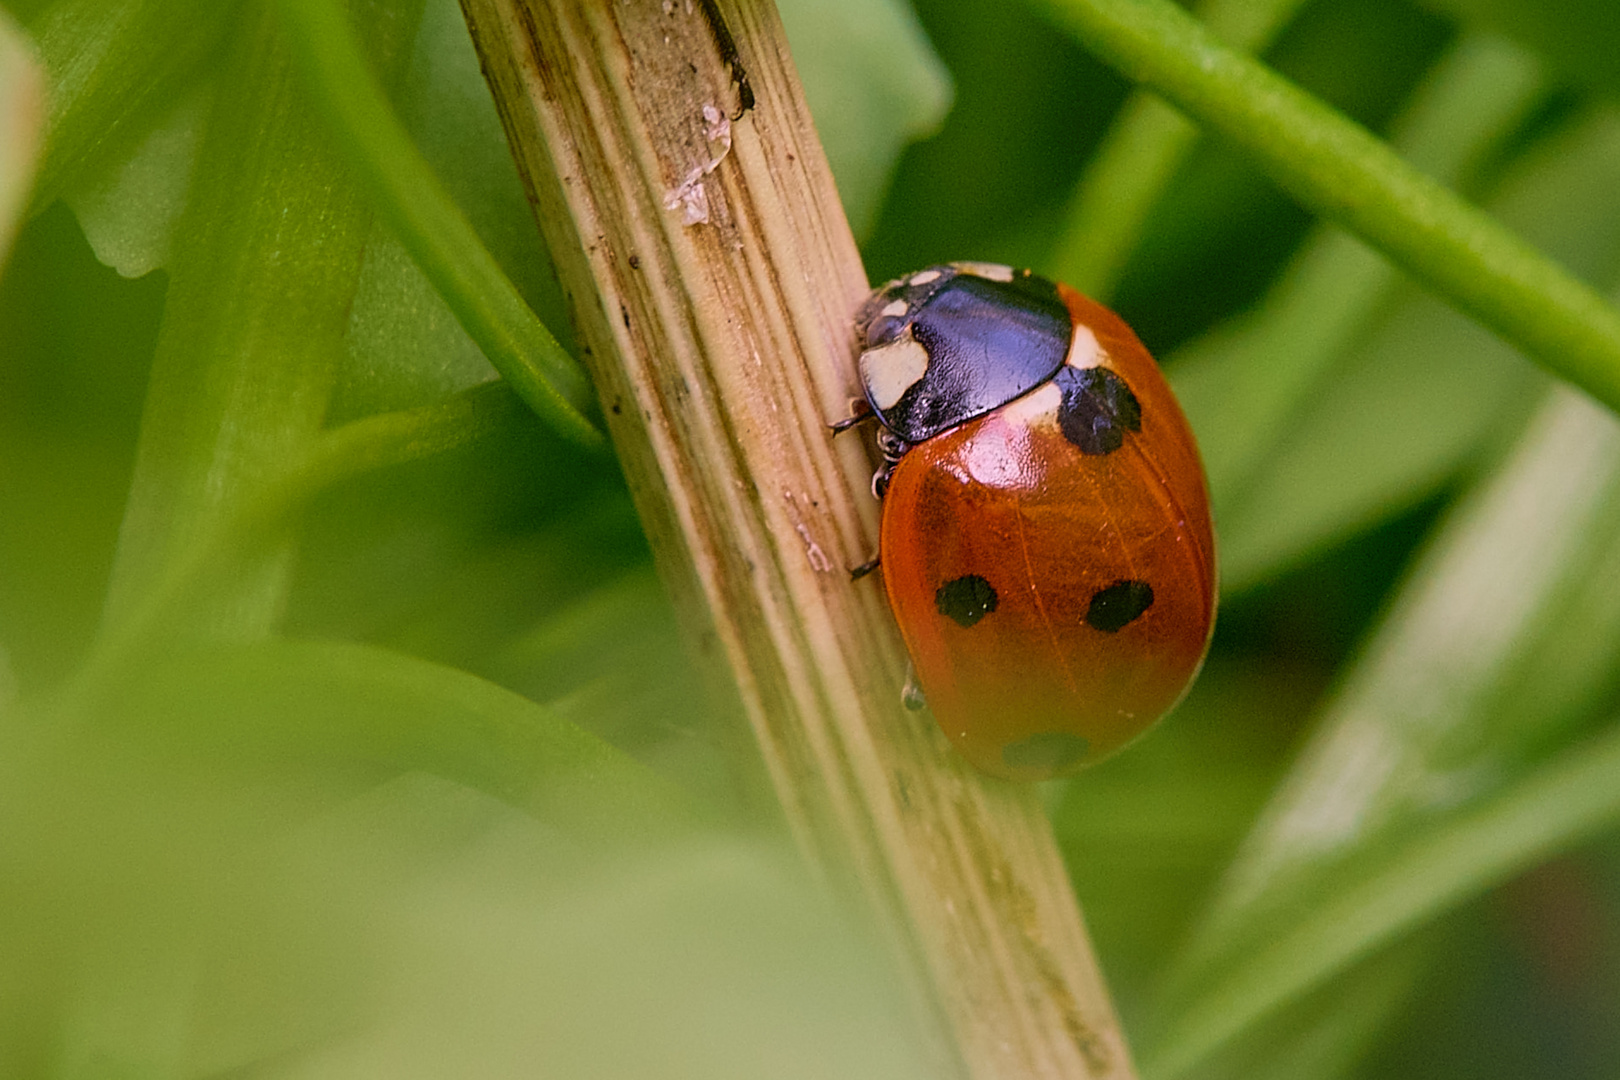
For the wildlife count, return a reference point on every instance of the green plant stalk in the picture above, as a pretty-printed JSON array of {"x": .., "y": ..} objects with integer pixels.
[
  {"x": 1557, "y": 806},
  {"x": 405, "y": 191},
  {"x": 114, "y": 66},
  {"x": 263, "y": 274},
  {"x": 1140, "y": 155},
  {"x": 1339, "y": 169},
  {"x": 1251, "y": 378}
]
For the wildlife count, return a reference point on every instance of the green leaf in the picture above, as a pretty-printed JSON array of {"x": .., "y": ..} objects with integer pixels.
[
  {"x": 1580, "y": 37},
  {"x": 1339, "y": 169},
  {"x": 873, "y": 84},
  {"x": 117, "y": 68},
  {"x": 406, "y": 345},
  {"x": 22, "y": 108},
  {"x": 264, "y": 271},
  {"x": 411, "y": 198},
  {"x": 1395, "y": 415},
  {"x": 131, "y": 207},
  {"x": 1142, "y": 152},
  {"x": 318, "y": 705},
  {"x": 1417, "y": 790},
  {"x": 1243, "y": 384},
  {"x": 613, "y": 662}
]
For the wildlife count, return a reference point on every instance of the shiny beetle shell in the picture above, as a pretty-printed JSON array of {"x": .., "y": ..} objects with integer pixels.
[{"x": 1046, "y": 541}]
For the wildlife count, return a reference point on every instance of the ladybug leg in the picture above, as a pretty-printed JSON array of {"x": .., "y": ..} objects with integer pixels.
[
  {"x": 865, "y": 568},
  {"x": 911, "y": 695},
  {"x": 859, "y": 413}
]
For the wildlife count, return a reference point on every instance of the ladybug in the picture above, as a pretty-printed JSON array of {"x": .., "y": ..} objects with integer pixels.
[{"x": 1046, "y": 542}]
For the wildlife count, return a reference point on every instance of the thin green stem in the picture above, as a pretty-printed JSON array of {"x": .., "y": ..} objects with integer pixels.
[
  {"x": 411, "y": 198},
  {"x": 1139, "y": 157},
  {"x": 1249, "y": 380},
  {"x": 1342, "y": 171}
]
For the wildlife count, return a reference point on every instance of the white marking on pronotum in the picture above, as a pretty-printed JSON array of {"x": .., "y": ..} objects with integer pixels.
[
  {"x": 890, "y": 370},
  {"x": 993, "y": 271},
  {"x": 690, "y": 196},
  {"x": 895, "y": 309},
  {"x": 924, "y": 278}
]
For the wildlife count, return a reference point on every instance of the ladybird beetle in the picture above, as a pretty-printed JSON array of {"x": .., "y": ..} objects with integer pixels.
[{"x": 1046, "y": 541}]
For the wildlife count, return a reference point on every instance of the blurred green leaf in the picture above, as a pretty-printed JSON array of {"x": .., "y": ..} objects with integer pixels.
[
  {"x": 1242, "y": 383},
  {"x": 614, "y": 663},
  {"x": 264, "y": 272},
  {"x": 1338, "y": 168},
  {"x": 333, "y": 706},
  {"x": 873, "y": 83},
  {"x": 408, "y": 195},
  {"x": 117, "y": 69},
  {"x": 1415, "y": 791},
  {"x": 1410, "y": 404},
  {"x": 131, "y": 207},
  {"x": 1146, "y": 146},
  {"x": 1580, "y": 37},
  {"x": 1326, "y": 1034},
  {"x": 405, "y": 345},
  {"x": 22, "y": 107}
]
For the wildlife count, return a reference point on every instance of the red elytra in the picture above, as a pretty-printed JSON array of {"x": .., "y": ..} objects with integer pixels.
[{"x": 1049, "y": 558}]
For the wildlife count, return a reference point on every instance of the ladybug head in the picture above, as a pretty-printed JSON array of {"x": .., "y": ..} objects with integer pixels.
[{"x": 947, "y": 344}]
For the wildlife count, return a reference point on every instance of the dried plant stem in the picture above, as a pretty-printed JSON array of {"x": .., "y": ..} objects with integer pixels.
[{"x": 713, "y": 278}]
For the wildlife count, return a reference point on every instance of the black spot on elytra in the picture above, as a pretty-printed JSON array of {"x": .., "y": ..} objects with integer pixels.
[
  {"x": 1114, "y": 607},
  {"x": 966, "y": 599},
  {"x": 1050, "y": 752},
  {"x": 1098, "y": 409}
]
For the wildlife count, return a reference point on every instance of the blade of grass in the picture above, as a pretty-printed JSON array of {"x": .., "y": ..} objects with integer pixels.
[
  {"x": 115, "y": 65},
  {"x": 293, "y": 703},
  {"x": 1243, "y": 383},
  {"x": 1140, "y": 155},
  {"x": 406, "y": 192},
  {"x": 263, "y": 273},
  {"x": 1422, "y": 395},
  {"x": 1339, "y": 169},
  {"x": 1399, "y": 797},
  {"x": 260, "y": 516},
  {"x": 22, "y": 108},
  {"x": 1557, "y": 806}
]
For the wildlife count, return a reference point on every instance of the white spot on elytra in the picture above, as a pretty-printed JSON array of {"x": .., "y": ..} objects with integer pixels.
[
  {"x": 890, "y": 370},
  {"x": 1039, "y": 406},
  {"x": 1000, "y": 454},
  {"x": 1084, "y": 350}
]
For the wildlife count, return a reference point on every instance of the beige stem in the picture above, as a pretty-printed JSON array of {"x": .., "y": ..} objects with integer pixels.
[{"x": 713, "y": 279}]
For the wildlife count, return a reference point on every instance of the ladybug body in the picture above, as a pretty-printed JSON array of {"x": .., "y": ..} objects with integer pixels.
[{"x": 1046, "y": 542}]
